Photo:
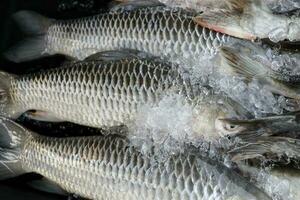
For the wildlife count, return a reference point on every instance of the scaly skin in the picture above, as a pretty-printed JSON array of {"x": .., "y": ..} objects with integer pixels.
[
  {"x": 97, "y": 93},
  {"x": 109, "y": 167},
  {"x": 157, "y": 31}
]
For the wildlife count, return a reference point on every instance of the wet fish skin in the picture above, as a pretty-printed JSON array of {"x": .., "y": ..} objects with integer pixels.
[
  {"x": 108, "y": 167},
  {"x": 152, "y": 30},
  {"x": 96, "y": 93}
]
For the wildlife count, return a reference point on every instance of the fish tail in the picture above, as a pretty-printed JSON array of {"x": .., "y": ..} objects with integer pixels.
[
  {"x": 35, "y": 26},
  {"x": 12, "y": 137},
  {"x": 7, "y": 107}
]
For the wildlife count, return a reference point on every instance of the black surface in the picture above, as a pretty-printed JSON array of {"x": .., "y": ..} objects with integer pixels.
[{"x": 10, "y": 34}]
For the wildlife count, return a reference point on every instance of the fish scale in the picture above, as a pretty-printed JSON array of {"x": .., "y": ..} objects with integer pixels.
[
  {"x": 158, "y": 31},
  {"x": 108, "y": 167},
  {"x": 98, "y": 93}
]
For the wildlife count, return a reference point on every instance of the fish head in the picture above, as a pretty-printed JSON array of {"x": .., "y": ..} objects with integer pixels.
[{"x": 208, "y": 118}]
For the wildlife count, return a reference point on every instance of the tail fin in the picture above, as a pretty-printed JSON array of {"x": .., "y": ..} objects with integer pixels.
[
  {"x": 12, "y": 136},
  {"x": 7, "y": 108},
  {"x": 35, "y": 26}
]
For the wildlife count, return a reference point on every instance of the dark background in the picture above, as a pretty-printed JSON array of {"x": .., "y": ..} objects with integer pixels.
[{"x": 10, "y": 34}]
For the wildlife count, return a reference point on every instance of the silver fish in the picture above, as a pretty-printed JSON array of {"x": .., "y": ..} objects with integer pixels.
[
  {"x": 109, "y": 93},
  {"x": 155, "y": 30},
  {"x": 100, "y": 167}
]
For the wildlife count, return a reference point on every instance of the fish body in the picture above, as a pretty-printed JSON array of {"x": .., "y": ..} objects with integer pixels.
[
  {"x": 97, "y": 93},
  {"x": 108, "y": 167}
]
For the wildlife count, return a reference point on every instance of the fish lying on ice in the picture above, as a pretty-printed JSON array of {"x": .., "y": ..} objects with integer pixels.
[
  {"x": 110, "y": 93},
  {"x": 154, "y": 30},
  {"x": 168, "y": 33},
  {"x": 108, "y": 167},
  {"x": 247, "y": 19}
]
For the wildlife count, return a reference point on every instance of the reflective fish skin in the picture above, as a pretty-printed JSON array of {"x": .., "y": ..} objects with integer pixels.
[
  {"x": 158, "y": 31},
  {"x": 108, "y": 167},
  {"x": 96, "y": 93}
]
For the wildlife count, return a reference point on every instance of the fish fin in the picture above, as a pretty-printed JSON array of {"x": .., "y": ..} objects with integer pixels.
[
  {"x": 237, "y": 5},
  {"x": 28, "y": 49},
  {"x": 243, "y": 64},
  {"x": 12, "y": 135},
  {"x": 260, "y": 147},
  {"x": 7, "y": 107},
  {"x": 115, "y": 55},
  {"x": 129, "y": 5},
  {"x": 226, "y": 20},
  {"x": 47, "y": 185},
  {"x": 35, "y": 26},
  {"x": 32, "y": 23},
  {"x": 40, "y": 115}
]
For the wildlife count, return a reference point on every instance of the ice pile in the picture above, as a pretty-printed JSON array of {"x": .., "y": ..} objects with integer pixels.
[
  {"x": 167, "y": 124},
  {"x": 282, "y": 6},
  {"x": 278, "y": 183}
]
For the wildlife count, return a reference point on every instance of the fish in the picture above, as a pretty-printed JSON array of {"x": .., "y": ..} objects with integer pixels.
[
  {"x": 108, "y": 167},
  {"x": 108, "y": 93},
  {"x": 240, "y": 18},
  {"x": 158, "y": 31}
]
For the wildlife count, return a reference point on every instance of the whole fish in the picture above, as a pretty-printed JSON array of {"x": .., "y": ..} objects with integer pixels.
[
  {"x": 108, "y": 167},
  {"x": 108, "y": 93},
  {"x": 154, "y": 30},
  {"x": 241, "y": 18}
]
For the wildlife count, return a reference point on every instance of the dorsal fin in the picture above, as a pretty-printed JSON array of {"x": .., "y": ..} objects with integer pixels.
[
  {"x": 116, "y": 55},
  {"x": 128, "y": 5}
]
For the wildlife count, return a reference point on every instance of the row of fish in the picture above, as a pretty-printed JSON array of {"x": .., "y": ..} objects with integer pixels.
[{"x": 130, "y": 58}]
